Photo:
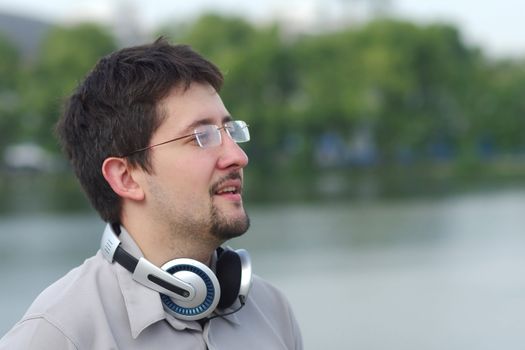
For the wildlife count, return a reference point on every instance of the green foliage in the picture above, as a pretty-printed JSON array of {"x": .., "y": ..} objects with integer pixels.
[
  {"x": 417, "y": 89},
  {"x": 66, "y": 55},
  {"x": 9, "y": 97},
  {"x": 9, "y": 66},
  {"x": 500, "y": 105}
]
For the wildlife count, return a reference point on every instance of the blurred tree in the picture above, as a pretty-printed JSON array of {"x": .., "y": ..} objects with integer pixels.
[
  {"x": 499, "y": 109},
  {"x": 9, "y": 94},
  {"x": 415, "y": 92},
  {"x": 413, "y": 88},
  {"x": 425, "y": 88},
  {"x": 408, "y": 82},
  {"x": 330, "y": 94},
  {"x": 8, "y": 65},
  {"x": 66, "y": 55}
]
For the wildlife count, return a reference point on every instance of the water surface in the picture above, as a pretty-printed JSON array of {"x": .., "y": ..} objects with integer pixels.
[{"x": 415, "y": 274}]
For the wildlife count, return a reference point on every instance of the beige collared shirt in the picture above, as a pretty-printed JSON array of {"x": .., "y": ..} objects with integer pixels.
[{"x": 99, "y": 306}]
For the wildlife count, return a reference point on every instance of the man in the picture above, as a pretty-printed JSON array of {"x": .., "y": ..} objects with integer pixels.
[{"x": 156, "y": 152}]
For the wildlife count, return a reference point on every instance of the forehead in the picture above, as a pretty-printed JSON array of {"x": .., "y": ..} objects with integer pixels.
[{"x": 184, "y": 109}]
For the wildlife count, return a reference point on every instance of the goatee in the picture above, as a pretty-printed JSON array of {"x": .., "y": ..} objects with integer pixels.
[
  {"x": 222, "y": 226},
  {"x": 225, "y": 228}
]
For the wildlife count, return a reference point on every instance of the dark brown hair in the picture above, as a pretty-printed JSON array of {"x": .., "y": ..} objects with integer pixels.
[{"x": 115, "y": 111}]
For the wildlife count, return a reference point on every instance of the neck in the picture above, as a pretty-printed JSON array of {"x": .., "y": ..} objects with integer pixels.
[{"x": 160, "y": 245}]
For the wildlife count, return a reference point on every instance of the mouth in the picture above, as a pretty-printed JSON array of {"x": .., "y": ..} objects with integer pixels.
[{"x": 228, "y": 188}]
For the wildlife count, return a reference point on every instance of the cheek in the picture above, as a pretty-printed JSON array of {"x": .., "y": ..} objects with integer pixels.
[
  {"x": 185, "y": 171},
  {"x": 191, "y": 176}
]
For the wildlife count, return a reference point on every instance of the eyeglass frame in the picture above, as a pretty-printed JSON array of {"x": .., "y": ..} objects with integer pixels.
[{"x": 195, "y": 134}]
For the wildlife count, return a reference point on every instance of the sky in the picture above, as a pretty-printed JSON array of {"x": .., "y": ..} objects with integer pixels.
[{"x": 497, "y": 27}]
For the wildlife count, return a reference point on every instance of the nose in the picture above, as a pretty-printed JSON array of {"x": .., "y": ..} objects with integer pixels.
[{"x": 231, "y": 154}]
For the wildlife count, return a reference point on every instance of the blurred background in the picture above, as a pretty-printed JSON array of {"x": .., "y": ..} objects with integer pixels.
[{"x": 386, "y": 179}]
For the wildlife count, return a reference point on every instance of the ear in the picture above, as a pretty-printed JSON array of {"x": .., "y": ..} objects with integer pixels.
[{"x": 120, "y": 177}]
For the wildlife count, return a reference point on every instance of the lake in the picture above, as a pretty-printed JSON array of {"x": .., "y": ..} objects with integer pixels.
[{"x": 441, "y": 273}]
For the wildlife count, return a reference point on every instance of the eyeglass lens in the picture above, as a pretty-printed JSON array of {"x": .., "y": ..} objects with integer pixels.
[{"x": 210, "y": 135}]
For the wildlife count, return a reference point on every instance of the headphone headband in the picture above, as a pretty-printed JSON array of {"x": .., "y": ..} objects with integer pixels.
[{"x": 144, "y": 271}]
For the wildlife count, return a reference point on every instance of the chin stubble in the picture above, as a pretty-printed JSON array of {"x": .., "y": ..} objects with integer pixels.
[{"x": 225, "y": 228}]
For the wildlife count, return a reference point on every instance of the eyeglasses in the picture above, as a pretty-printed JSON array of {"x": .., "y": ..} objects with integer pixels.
[{"x": 209, "y": 135}]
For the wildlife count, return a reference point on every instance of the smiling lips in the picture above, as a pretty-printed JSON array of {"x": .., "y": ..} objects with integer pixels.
[{"x": 230, "y": 189}]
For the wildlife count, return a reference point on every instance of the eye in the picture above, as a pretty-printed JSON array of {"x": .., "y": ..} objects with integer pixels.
[
  {"x": 193, "y": 140},
  {"x": 202, "y": 137}
]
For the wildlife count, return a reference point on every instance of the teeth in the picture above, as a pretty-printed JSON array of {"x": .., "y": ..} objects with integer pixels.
[{"x": 228, "y": 189}]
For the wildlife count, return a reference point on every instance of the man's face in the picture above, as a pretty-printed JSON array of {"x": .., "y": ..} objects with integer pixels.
[{"x": 196, "y": 191}]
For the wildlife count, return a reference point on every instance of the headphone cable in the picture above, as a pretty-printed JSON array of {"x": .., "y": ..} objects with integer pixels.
[{"x": 242, "y": 300}]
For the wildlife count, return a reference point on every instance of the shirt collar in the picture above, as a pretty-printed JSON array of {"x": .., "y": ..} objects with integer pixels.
[{"x": 143, "y": 304}]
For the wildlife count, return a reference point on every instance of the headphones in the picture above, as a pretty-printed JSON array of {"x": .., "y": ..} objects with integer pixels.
[{"x": 189, "y": 289}]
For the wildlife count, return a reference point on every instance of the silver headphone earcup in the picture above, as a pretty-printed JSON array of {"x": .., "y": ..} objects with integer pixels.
[
  {"x": 246, "y": 273},
  {"x": 205, "y": 283}
]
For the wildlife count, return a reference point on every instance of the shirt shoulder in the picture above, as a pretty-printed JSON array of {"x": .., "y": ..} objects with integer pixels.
[
  {"x": 85, "y": 290},
  {"x": 36, "y": 333},
  {"x": 268, "y": 304},
  {"x": 76, "y": 290},
  {"x": 265, "y": 293}
]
